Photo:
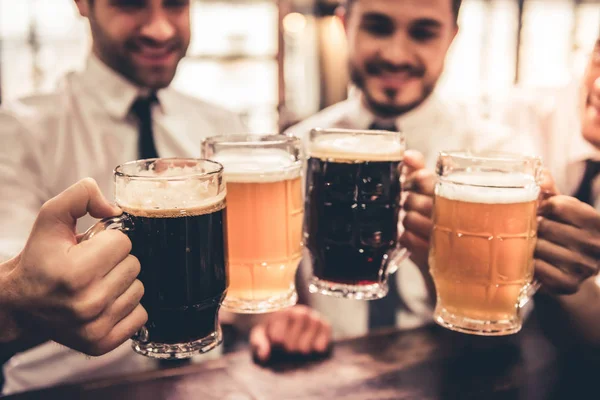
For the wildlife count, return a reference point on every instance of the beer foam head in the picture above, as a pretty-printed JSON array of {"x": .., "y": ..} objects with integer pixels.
[
  {"x": 357, "y": 148},
  {"x": 258, "y": 165},
  {"x": 488, "y": 187},
  {"x": 173, "y": 191}
]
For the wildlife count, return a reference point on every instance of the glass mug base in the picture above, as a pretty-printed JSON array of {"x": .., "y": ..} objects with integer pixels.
[
  {"x": 258, "y": 306},
  {"x": 178, "y": 351},
  {"x": 474, "y": 326},
  {"x": 358, "y": 292}
]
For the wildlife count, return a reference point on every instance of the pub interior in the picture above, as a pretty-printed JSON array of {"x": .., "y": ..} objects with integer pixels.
[{"x": 299, "y": 199}]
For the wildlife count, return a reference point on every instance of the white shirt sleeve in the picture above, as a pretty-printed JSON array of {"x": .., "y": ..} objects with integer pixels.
[{"x": 22, "y": 192}]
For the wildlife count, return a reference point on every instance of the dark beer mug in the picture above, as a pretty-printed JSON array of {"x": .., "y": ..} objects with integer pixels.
[
  {"x": 352, "y": 208},
  {"x": 174, "y": 213}
]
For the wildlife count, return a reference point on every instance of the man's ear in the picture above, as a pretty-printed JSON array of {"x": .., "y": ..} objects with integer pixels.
[{"x": 84, "y": 7}]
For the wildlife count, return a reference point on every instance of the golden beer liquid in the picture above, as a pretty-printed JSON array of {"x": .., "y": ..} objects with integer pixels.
[
  {"x": 482, "y": 256},
  {"x": 264, "y": 225}
]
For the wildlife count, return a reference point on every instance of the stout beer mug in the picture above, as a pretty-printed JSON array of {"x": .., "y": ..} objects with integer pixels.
[
  {"x": 174, "y": 214},
  {"x": 352, "y": 207},
  {"x": 264, "y": 221},
  {"x": 484, "y": 236}
]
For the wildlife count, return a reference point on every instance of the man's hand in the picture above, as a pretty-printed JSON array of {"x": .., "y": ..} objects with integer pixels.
[
  {"x": 299, "y": 330},
  {"x": 82, "y": 295},
  {"x": 568, "y": 246},
  {"x": 418, "y": 206}
]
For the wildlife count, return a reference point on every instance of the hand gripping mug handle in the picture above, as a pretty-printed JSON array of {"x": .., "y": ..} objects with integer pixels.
[
  {"x": 397, "y": 257},
  {"x": 121, "y": 223},
  {"x": 535, "y": 285}
]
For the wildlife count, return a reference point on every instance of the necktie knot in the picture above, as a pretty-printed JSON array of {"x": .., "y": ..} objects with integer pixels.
[
  {"x": 383, "y": 126},
  {"x": 142, "y": 106}
]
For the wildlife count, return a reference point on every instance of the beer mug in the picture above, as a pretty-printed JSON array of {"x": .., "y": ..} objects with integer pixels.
[
  {"x": 352, "y": 208},
  {"x": 483, "y": 240},
  {"x": 264, "y": 221},
  {"x": 174, "y": 214}
]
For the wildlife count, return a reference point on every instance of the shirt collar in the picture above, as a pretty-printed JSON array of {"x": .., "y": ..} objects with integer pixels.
[
  {"x": 114, "y": 91},
  {"x": 421, "y": 116},
  {"x": 579, "y": 149}
]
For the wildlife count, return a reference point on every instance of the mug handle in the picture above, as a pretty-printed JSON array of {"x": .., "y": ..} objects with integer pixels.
[
  {"x": 535, "y": 285},
  {"x": 529, "y": 292},
  {"x": 397, "y": 257},
  {"x": 121, "y": 223}
]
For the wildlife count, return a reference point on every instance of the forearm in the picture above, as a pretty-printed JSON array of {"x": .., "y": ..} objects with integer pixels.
[
  {"x": 13, "y": 339},
  {"x": 10, "y": 336},
  {"x": 573, "y": 321}
]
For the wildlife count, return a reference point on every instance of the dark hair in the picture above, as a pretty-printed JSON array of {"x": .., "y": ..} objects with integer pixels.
[{"x": 455, "y": 6}]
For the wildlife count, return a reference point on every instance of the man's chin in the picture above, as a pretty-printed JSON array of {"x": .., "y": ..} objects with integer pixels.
[
  {"x": 155, "y": 80},
  {"x": 387, "y": 109}
]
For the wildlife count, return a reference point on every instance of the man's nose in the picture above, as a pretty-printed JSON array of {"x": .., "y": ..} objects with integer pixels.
[
  {"x": 398, "y": 50},
  {"x": 158, "y": 27}
]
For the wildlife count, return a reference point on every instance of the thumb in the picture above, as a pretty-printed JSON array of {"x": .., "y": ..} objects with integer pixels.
[
  {"x": 261, "y": 346},
  {"x": 547, "y": 184},
  {"x": 413, "y": 160},
  {"x": 75, "y": 202}
]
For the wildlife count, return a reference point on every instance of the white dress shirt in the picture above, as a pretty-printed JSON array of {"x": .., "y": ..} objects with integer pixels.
[
  {"x": 83, "y": 130},
  {"x": 552, "y": 118},
  {"x": 435, "y": 126}
]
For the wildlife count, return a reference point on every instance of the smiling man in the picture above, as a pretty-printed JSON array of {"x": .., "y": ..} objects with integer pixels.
[
  {"x": 119, "y": 108},
  {"x": 396, "y": 55}
]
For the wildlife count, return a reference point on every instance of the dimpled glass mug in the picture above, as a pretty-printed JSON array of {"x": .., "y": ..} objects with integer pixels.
[
  {"x": 483, "y": 240},
  {"x": 174, "y": 213}
]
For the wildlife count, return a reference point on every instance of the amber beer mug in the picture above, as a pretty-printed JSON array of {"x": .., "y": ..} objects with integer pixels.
[
  {"x": 484, "y": 236},
  {"x": 264, "y": 218}
]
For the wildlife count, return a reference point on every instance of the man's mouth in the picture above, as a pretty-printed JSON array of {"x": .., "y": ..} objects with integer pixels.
[
  {"x": 396, "y": 79},
  {"x": 155, "y": 56}
]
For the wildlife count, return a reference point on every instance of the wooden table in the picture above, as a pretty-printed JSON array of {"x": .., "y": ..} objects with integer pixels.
[{"x": 428, "y": 363}]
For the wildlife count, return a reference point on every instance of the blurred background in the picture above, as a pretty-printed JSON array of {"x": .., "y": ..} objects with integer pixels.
[{"x": 276, "y": 62}]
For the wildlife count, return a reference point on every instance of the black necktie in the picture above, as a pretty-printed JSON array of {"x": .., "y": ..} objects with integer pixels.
[
  {"x": 382, "y": 312},
  {"x": 584, "y": 193},
  {"x": 142, "y": 109}
]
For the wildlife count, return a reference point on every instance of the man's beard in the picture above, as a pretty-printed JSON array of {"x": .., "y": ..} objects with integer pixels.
[
  {"x": 118, "y": 57},
  {"x": 387, "y": 110}
]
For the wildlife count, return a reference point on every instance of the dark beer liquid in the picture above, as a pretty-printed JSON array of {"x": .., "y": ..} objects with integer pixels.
[
  {"x": 351, "y": 218},
  {"x": 183, "y": 269}
]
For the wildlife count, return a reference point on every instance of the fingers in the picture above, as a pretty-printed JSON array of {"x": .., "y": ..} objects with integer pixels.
[
  {"x": 571, "y": 211},
  {"x": 570, "y": 237},
  {"x": 547, "y": 184},
  {"x": 277, "y": 327},
  {"x": 122, "y": 331},
  {"x": 298, "y": 326},
  {"x": 323, "y": 338},
  {"x": 259, "y": 341},
  {"x": 96, "y": 258},
  {"x": 101, "y": 294},
  {"x": 413, "y": 160},
  {"x": 94, "y": 331},
  {"x": 419, "y": 203},
  {"x": 418, "y": 224},
  {"x": 572, "y": 263},
  {"x": 554, "y": 280},
  {"x": 75, "y": 202},
  {"x": 315, "y": 338},
  {"x": 296, "y": 330},
  {"x": 421, "y": 181}
]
